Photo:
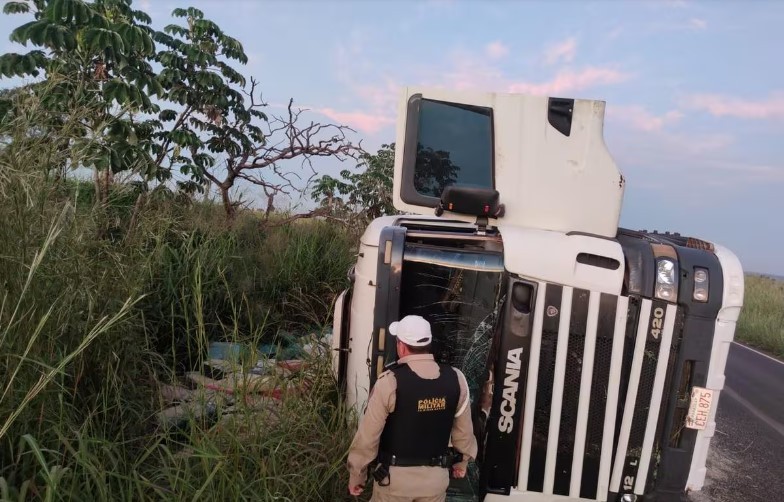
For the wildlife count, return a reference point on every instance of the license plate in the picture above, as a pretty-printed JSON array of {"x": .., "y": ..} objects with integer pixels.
[{"x": 699, "y": 408}]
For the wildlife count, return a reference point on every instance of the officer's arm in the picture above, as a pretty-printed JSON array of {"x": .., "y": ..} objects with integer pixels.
[
  {"x": 463, "y": 439},
  {"x": 364, "y": 448}
]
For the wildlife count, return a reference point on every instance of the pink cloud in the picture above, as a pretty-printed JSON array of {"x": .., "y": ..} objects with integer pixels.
[
  {"x": 568, "y": 81},
  {"x": 699, "y": 145},
  {"x": 728, "y": 106},
  {"x": 370, "y": 123},
  {"x": 381, "y": 96},
  {"x": 496, "y": 50},
  {"x": 464, "y": 70},
  {"x": 698, "y": 24},
  {"x": 640, "y": 118},
  {"x": 371, "y": 99},
  {"x": 562, "y": 51}
]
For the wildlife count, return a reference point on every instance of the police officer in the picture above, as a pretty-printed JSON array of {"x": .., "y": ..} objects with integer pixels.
[{"x": 413, "y": 410}]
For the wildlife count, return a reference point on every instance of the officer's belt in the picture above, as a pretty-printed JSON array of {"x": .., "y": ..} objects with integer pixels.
[{"x": 444, "y": 460}]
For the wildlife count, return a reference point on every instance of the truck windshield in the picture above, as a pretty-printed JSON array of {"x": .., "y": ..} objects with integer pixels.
[{"x": 458, "y": 292}]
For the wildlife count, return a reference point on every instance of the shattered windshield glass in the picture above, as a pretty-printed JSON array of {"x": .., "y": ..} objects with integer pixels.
[{"x": 458, "y": 292}]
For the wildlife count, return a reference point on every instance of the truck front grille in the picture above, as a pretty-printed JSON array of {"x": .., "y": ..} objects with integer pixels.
[{"x": 599, "y": 365}]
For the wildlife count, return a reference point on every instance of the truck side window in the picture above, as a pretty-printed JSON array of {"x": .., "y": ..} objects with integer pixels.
[{"x": 454, "y": 145}]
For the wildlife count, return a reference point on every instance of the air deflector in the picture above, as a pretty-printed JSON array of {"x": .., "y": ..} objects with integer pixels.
[{"x": 559, "y": 114}]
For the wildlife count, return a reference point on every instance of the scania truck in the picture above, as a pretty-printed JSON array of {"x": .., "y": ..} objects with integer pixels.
[{"x": 595, "y": 354}]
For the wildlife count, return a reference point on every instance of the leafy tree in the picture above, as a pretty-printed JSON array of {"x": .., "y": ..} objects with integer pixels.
[
  {"x": 97, "y": 56},
  {"x": 221, "y": 135},
  {"x": 366, "y": 194},
  {"x": 200, "y": 81},
  {"x": 212, "y": 128}
]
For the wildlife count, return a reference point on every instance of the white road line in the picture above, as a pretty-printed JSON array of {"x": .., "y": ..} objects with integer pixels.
[
  {"x": 758, "y": 352},
  {"x": 775, "y": 425}
]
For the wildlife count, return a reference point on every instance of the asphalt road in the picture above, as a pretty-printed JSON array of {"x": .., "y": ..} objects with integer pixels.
[{"x": 746, "y": 461}]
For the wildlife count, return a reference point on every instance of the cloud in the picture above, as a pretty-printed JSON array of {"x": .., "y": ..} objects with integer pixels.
[
  {"x": 693, "y": 24},
  {"x": 372, "y": 92},
  {"x": 561, "y": 52},
  {"x": 702, "y": 144},
  {"x": 614, "y": 33},
  {"x": 664, "y": 147},
  {"x": 654, "y": 160},
  {"x": 685, "y": 161},
  {"x": 462, "y": 70},
  {"x": 496, "y": 50},
  {"x": 754, "y": 171},
  {"x": 640, "y": 118},
  {"x": 371, "y": 104},
  {"x": 570, "y": 81},
  {"x": 367, "y": 122},
  {"x": 720, "y": 105},
  {"x": 698, "y": 24},
  {"x": 361, "y": 120}
]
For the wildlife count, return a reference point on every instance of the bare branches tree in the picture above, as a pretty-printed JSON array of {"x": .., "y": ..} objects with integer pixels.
[{"x": 263, "y": 156}]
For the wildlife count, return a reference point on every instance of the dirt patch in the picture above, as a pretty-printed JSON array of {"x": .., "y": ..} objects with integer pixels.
[{"x": 721, "y": 468}]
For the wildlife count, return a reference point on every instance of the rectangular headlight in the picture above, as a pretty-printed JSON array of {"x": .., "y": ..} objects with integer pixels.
[
  {"x": 701, "y": 285},
  {"x": 666, "y": 279}
]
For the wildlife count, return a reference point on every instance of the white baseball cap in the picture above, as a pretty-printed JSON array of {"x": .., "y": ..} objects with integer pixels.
[{"x": 412, "y": 330}]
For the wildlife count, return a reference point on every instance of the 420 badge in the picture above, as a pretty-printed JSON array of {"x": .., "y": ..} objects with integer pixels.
[{"x": 699, "y": 408}]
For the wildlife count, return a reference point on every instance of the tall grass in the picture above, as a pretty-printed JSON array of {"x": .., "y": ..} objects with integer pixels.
[
  {"x": 100, "y": 305},
  {"x": 761, "y": 322}
]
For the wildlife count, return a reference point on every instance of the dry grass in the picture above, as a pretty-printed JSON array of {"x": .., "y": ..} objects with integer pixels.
[{"x": 99, "y": 303}]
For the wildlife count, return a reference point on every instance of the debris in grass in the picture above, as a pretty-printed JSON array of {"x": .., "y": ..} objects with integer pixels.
[{"x": 224, "y": 383}]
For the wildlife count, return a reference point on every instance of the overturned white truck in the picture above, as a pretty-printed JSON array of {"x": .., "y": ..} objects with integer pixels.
[{"x": 595, "y": 354}]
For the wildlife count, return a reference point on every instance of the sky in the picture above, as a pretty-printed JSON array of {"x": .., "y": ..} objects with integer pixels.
[{"x": 694, "y": 90}]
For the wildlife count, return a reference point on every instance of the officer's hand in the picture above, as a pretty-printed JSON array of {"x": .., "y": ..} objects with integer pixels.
[
  {"x": 458, "y": 472},
  {"x": 355, "y": 490}
]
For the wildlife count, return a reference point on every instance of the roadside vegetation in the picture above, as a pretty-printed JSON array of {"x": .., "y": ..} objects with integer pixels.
[
  {"x": 761, "y": 323},
  {"x": 104, "y": 303},
  {"x": 126, "y": 250}
]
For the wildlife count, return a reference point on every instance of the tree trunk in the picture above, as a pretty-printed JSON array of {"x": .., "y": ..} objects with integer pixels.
[
  {"x": 270, "y": 206},
  {"x": 231, "y": 211},
  {"x": 97, "y": 183},
  {"x": 107, "y": 180},
  {"x": 103, "y": 181},
  {"x": 137, "y": 209}
]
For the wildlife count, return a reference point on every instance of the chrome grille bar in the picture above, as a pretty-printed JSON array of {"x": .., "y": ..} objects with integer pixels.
[
  {"x": 533, "y": 374},
  {"x": 619, "y": 335},
  {"x": 656, "y": 399},
  {"x": 631, "y": 395},
  {"x": 558, "y": 384},
  {"x": 585, "y": 394}
]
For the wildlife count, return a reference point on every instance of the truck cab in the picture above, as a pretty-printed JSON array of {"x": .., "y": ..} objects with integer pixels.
[{"x": 594, "y": 354}]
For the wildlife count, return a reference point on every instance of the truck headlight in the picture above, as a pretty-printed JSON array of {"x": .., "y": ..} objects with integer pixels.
[
  {"x": 666, "y": 280},
  {"x": 701, "y": 285}
]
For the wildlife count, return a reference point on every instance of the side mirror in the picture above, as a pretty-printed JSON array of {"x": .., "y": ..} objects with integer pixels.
[{"x": 470, "y": 200}]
